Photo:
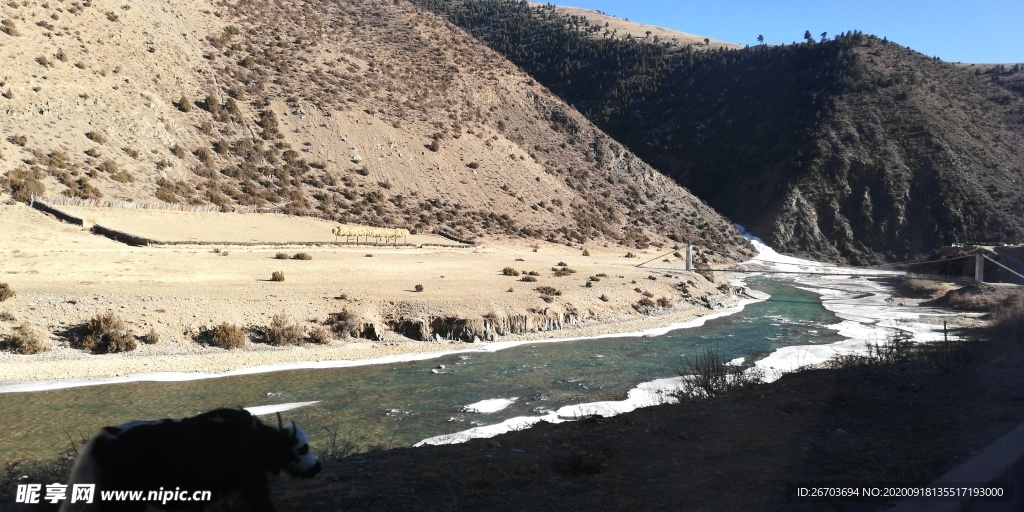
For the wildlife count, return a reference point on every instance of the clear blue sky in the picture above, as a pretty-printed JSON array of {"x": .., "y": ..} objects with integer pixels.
[{"x": 980, "y": 31}]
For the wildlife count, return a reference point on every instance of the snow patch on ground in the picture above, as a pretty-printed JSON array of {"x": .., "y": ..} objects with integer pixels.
[
  {"x": 867, "y": 317},
  {"x": 261, "y": 410},
  {"x": 645, "y": 395},
  {"x": 491, "y": 405}
]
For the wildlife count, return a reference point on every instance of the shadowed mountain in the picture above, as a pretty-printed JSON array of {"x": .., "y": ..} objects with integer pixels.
[{"x": 852, "y": 149}]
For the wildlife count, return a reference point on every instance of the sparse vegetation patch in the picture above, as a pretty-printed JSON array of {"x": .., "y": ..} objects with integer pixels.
[
  {"x": 105, "y": 333},
  {"x": 6, "y": 292},
  {"x": 96, "y": 137},
  {"x": 320, "y": 335},
  {"x": 8, "y": 27},
  {"x": 151, "y": 337},
  {"x": 283, "y": 332},
  {"x": 24, "y": 340},
  {"x": 707, "y": 375},
  {"x": 225, "y": 335}
]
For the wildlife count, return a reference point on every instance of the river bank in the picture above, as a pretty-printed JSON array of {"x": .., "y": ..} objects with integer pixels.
[
  {"x": 168, "y": 362},
  {"x": 396, "y": 301}
]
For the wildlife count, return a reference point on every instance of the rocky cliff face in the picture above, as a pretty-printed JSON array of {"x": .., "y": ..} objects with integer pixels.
[
  {"x": 909, "y": 155},
  {"x": 854, "y": 149}
]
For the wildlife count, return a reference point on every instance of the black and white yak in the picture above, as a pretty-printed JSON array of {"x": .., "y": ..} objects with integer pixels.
[{"x": 226, "y": 451}]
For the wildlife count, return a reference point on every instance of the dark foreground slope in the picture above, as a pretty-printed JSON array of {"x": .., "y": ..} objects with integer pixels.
[
  {"x": 901, "y": 425},
  {"x": 852, "y": 149}
]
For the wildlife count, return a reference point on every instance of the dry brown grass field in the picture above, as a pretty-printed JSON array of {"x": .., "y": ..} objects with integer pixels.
[{"x": 63, "y": 275}]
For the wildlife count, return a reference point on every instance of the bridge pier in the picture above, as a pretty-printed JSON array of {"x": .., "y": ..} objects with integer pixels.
[{"x": 979, "y": 267}]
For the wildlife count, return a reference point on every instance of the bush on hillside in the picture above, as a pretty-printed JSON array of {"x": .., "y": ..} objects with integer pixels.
[
  {"x": 548, "y": 290},
  {"x": 6, "y": 292},
  {"x": 921, "y": 287},
  {"x": 151, "y": 337},
  {"x": 707, "y": 375},
  {"x": 282, "y": 332},
  {"x": 225, "y": 335},
  {"x": 96, "y": 137},
  {"x": 320, "y": 335},
  {"x": 23, "y": 183},
  {"x": 105, "y": 333},
  {"x": 983, "y": 298},
  {"x": 342, "y": 323},
  {"x": 24, "y": 340},
  {"x": 1007, "y": 323}
]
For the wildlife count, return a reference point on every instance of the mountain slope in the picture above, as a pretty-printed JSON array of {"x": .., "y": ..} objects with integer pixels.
[
  {"x": 853, "y": 149},
  {"x": 603, "y": 26},
  {"x": 373, "y": 111}
]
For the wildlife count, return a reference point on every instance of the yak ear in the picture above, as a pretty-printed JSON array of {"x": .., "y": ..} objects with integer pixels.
[{"x": 280, "y": 424}]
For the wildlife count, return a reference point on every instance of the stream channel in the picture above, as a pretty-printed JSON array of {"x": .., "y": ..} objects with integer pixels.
[{"x": 400, "y": 404}]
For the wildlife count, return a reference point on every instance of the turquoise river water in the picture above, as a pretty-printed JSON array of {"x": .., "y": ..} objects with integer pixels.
[{"x": 399, "y": 404}]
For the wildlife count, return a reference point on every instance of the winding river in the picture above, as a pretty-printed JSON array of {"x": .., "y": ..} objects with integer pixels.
[{"x": 400, "y": 404}]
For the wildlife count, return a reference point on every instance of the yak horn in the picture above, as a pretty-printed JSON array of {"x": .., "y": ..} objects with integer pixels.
[{"x": 280, "y": 424}]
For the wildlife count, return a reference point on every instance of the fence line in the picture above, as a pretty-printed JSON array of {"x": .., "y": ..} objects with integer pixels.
[
  {"x": 363, "y": 229},
  {"x": 200, "y": 208},
  {"x": 121, "y": 236},
  {"x": 137, "y": 205},
  {"x": 43, "y": 206}
]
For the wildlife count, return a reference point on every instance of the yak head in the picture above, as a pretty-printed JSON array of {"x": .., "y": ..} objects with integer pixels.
[{"x": 303, "y": 463}]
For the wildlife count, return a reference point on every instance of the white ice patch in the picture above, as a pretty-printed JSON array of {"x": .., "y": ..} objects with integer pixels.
[
  {"x": 767, "y": 255},
  {"x": 655, "y": 392},
  {"x": 509, "y": 425},
  {"x": 491, "y": 405},
  {"x": 866, "y": 319},
  {"x": 262, "y": 410},
  {"x": 866, "y": 315}
]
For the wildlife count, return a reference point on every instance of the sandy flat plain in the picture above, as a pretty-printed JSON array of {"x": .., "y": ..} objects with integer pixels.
[{"x": 63, "y": 275}]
